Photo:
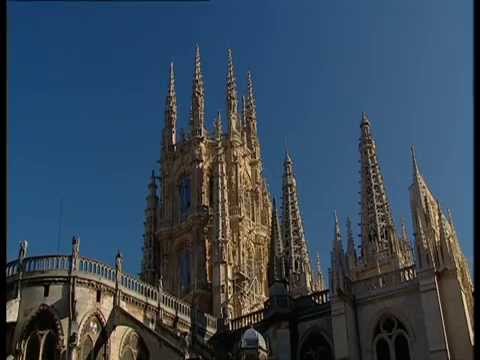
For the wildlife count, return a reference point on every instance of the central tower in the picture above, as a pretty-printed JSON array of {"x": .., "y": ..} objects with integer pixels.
[{"x": 207, "y": 232}]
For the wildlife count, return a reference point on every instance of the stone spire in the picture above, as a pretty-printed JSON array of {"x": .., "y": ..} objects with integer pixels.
[
  {"x": 297, "y": 257},
  {"x": 446, "y": 258},
  {"x": 198, "y": 99},
  {"x": 149, "y": 273},
  {"x": 234, "y": 126},
  {"x": 351, "y": 252},
  {"x": 378, "y": 228},
  {"x": 337, "y": 260},
  {"x": 169, "y": 130},
  {"x": 405, "y": 244},
  {"x": 244, "y": 122},
  {"x": 221, "y": 283},
  {"x": 423, "y": 250},
  {"x": 276, "y": 265},
  {"x": 251, "y": 115},
  {"x": 320, "y": 279}
]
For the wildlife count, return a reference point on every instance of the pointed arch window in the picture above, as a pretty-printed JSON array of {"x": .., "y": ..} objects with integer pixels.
[
  {"x": 91, "y": 335},
  {"x": 133, "y": 347},
  {"x": 391, "y": 340},
  {"x": 43, "y": 336},
  {"x": 185, "y": 194},
  {"x": 185, "y": 270},
  {"x": 33, "y": 347}
]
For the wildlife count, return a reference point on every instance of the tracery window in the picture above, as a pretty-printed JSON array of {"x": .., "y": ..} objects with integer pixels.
[
  {"x": 185, "y": 273},
  {"x": 391, "y": 341},
  {"x": 91, "y": 333},
  {"x": 42, "y": 336},
  {"x": 185, "y": 194},
  {"x": 315, "y": 347},
  {"x": 133, "y": 347}
]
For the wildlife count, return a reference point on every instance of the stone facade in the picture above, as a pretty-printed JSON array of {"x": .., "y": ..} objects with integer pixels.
[{"x": 214, "y": 244}]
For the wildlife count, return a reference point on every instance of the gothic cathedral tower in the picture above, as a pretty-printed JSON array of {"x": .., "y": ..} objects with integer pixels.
[{"x": 207, "y": 233}]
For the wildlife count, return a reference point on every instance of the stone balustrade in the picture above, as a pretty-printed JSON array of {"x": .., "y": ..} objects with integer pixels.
[
  {"x": 61, "y": 265},
  {"x": 247, "y": 320},
  {"x": 388, "y": 280},
  {"x": 321, "y": 297}
]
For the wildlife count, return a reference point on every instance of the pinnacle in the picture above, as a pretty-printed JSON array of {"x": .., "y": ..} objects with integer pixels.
[
  {"x": 171, "y": 83},
  {"x": 198, "y": 69},
  {"x": 365, "y": 120},
  {"x": 218, "y": 126},
  {"x": 416, "y": 171}
]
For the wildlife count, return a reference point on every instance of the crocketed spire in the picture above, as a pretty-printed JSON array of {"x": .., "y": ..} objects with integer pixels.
[
  {"x": 198, "y": 99},
  {"x": 297, "y": 257}
]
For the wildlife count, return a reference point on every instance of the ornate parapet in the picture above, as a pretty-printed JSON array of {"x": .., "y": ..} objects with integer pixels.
[
  {"x": 132, "y": 289},
  {"x": 383, "y": 282}
]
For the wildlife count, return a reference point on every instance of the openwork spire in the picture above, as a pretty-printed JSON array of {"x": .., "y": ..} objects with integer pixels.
[
  {"x": 169, "y": 137},
  {"x": 232, "y": 99},
  {"x": 378, "y": 228},
  {"x": 297, "y": 257},
  {"x": 198, "y": 98}
]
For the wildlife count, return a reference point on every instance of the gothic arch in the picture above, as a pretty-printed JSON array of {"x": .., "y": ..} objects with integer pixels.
[
  {"x": 397, "y": 313},
  {"x": 86, "y": 334},
  {"x": 391, "y": 338},
  {"x": 87, "y": 315},
  {"x": 133, "y": 347},
  {"x": 43, "y": 326},
  {"x": 315, "y": 335}
]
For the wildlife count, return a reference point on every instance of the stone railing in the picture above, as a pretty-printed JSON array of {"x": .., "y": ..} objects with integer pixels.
[
  {"x": 388, "y": 280},
  {"x": 247, "y": 320},
  {"x": 321, "y": 297},
  {"x": 138, "y": 287},
  {"x": 107, "y": 274},
  {"x": 176, "y": 306},
  {"x": 316, "y": 298}
]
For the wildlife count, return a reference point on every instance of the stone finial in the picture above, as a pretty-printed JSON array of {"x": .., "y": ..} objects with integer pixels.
[
  {"x": 22, "y": 253},
  {"x": 75, "y": 245},
  {"x": 160, "y": 283},
  {"x": 119, "y": 261}
]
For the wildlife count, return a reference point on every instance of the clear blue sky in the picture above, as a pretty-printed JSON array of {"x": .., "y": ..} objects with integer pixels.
[{"x": 86, "y": 93}]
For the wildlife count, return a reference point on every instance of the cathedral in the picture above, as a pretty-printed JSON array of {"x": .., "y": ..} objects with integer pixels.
[{"x": 226, "y": 274}]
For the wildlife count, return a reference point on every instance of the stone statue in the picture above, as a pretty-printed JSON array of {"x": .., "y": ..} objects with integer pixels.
[
  {"x": 23, "y": 249},
  {"x": 160, "y": 283},
  {"x": 119, "y": 262},
  {"x": 76, "y": 246}
]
